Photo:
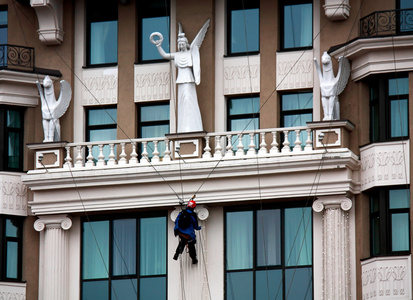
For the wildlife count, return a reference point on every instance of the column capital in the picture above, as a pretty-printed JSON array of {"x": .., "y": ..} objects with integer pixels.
[
  {"x": 55, "y": 221},
  {"x": 201, "y": 210},
  {"x": 332, "y": 202}
]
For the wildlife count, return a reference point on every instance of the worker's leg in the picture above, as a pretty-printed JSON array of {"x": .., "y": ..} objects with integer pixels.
[
  {"x": 180, "y": 248},
  {"x": 192, "y": 251}
]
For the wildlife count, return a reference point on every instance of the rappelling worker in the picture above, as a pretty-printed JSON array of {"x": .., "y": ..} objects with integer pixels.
[{"x": 185, "y": 225}]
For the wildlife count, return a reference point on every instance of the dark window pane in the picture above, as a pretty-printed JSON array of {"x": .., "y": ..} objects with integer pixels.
[
  {"x": 375, "y": 232},
  {"x": 125, "y": 289},
  {"x": 299, "y": 284},
  {"x": 240, "y": 286},
  {"x": 150, "y": 25},
  {"x": 399, "y": 86},
  {"x": 298, "y": 25},
  {"x": 268, "y": 237},
  {"x": 297, "y": 101},
  {"x": 104, "y": 42},
  {"x": 400, "y": 232},
  {"x": 269, "y": 285},
  {"x": 298, "y": 236},
  {"x": 124, "y": 247},
  {"x": 13, "y": 150},
  {"x": 3, "y": 39},
  {"x": 95, "y": 250},
  {"x": 12, "y": 230},
  {"x": 94, "y": 290},
  {"x": 153, "y": 288},
  {"x": 3, "y": 17},
  {"x": 297, "y": 120},
  {"x": 154, "y": 113},
  {"x": 14, "y": 119},
  {"x": 102, "y": 116},
  {"x": 154, "y": 131},
  {"x": 399, "y": 198},
  {"x": 153, "y": 246},
  {"x": 239, "y": 240},
  {"x": 245, "y": 30},
  {"x": 12, "y": 260},
  {"x": 399, "y": 117},
  {"x": 242, "y": 106},
  {"x": 102, "y": 135}
]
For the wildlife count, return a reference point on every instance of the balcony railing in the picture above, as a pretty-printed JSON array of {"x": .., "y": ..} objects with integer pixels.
[
  {"x": 16, "y": 57},
  {"x": 387, "y": 22},
  {"x": 223, "y": 145}
]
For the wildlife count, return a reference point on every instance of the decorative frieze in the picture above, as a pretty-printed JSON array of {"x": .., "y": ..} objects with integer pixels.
[
  {"x": 152, "y": 82},
  {"x": 386, "y": 278},
  {"x": 100, "y": 86},
  {"x": 385, "y": 164},
  {"x": 242, "y": 75},
  {"x": 13, "y": 195},
  {"x": 12, "y": 291},
  {"x": 295, "y": 70}
]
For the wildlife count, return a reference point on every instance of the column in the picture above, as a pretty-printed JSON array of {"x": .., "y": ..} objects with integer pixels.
[
  {"x": 54, "y": 274},
  {"x": 336, "y": 246}
]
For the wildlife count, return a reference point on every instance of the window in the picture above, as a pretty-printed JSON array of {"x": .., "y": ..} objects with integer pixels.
[
  {"x": 268, "y": 254},
  {"x": 390, "y": 221},
  {"x": 153, "y": 122},
  {"x": 243, "y": 114},
  {"x": 153, "y": 17},
  {"x": 11, "y": 137},
  {"x": 243, "y": 26},
  {"x": 405, "y": 15},
  {"x": 296, "y": 110},
  {"x": 102, "y": 32},
  {"x": 297, "y": 24},
  {"x": 101, "y": 126},
  {"x": 3, "y": 24},
  {"x": 389, "y": 108},
  {"x": 124, "y": 258},
  {"x": 10, "y": 248}
]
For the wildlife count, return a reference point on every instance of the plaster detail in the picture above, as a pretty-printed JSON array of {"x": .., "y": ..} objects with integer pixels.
[
  {"x": 242, "y": 75},
  {"x": 50, "y": 17},
  {"x": 295, "y": 70},
  {"x": 100, "y": 86},
  {"x": 56, "y": 221},
  {"x": 12, "y": 291},
  {"x": 337, "y": 10},
  {"x": 385, "y": 164},
  {"x": 13, "y": 196},
  {"x": 386, "y": 278},
  {"x": 152, "y": 82}
]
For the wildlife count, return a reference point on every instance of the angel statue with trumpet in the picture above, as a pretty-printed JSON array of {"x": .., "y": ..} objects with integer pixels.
[{"x": 187, "y": 61}]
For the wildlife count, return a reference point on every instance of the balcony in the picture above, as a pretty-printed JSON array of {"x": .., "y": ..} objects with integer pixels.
[{"x": 17, "y": 58}]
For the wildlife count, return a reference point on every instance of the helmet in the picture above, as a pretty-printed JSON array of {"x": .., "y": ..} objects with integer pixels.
[{"x": 191, "y": 204}]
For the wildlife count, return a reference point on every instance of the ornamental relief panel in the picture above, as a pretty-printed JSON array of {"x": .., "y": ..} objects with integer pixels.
[
  {"x": 384, "y": 164},
  {"x": 242, "y": 75},
  {"x": 13, "y": 196},
  {"x": 295, "y": 70},
  {"x": 100, "y": 87},
  {"x": 152, "y": 82}
]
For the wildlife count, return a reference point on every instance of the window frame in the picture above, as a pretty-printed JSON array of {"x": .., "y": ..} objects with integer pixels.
[
  {"x": 136, "y": 276},
  {"x": 283, "y": 3},
  {"x": 3, "y": 247},
  {"x": 88, "y": 127},
  {"x": 384, "y": 215},
  {"x": 6, "y": 9},
  {"x": 283, "y": 265},
  {"x": 230, "y": 6}
]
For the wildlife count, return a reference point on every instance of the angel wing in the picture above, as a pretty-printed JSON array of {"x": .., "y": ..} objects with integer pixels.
[
  {"x": 195, "y": 45},
  {"x": 64, "y": 100},
  {"x": 343, "y": 74}
]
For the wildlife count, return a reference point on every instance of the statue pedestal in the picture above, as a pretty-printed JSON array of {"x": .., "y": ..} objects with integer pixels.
[
  {"x": 48, "y": 154},
  {"x": 331, "y": 134},
  {"x": 187, "y": 144}
]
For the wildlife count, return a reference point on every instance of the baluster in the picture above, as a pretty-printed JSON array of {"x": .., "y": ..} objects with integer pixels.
[
  {"x": 155, "y": 153},
  {"x": 240, "y": 147},
  {"x": 229, "y": 152},
  {"x": 218, "y": 148},
  {"x": 286, "y": 143},
  {"x": 112, "y": 156},
  {"x": 207, "y": 149},
  {"x": 133, "y": 156},
  {"x": 251, "y": 146},
  {"x": 101, "y": 157},
  {"x": 263, "y": 145},
  {"x": 90, "y": 162},
  {"x": 79, "y": 157},
  {"x": 297, "y": 143},
  {"x": 145, "y": 158},
  {"x": 167, "y": 153},
  {"x": 122, "y": 155},
  {"x": 308, "y": 142},
  {"x": 274, "y": 144},
  {"x": 68, "y": 159}
]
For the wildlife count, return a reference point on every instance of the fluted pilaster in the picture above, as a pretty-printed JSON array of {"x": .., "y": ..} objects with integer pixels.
[
  {"x": 55, "y": 256},
  {"x": 336, "y": 246}
]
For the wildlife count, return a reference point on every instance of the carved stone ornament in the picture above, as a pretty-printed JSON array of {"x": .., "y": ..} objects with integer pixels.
[
  {"x": 201, "y": 210},
  {"x": 331, "y": 86},
  {"x": 332, "y": 202},
  {"x": 337, "y": 10},
  {"x": 59, "y": 221},
  {"x": 52, "y": 109}
]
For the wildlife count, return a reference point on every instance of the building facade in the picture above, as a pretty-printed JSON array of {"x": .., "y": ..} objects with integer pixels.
[{"x": 291, "y": 206}]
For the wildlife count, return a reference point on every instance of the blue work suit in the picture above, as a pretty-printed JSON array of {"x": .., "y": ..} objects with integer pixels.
[{"x": 187, "y": 235}]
